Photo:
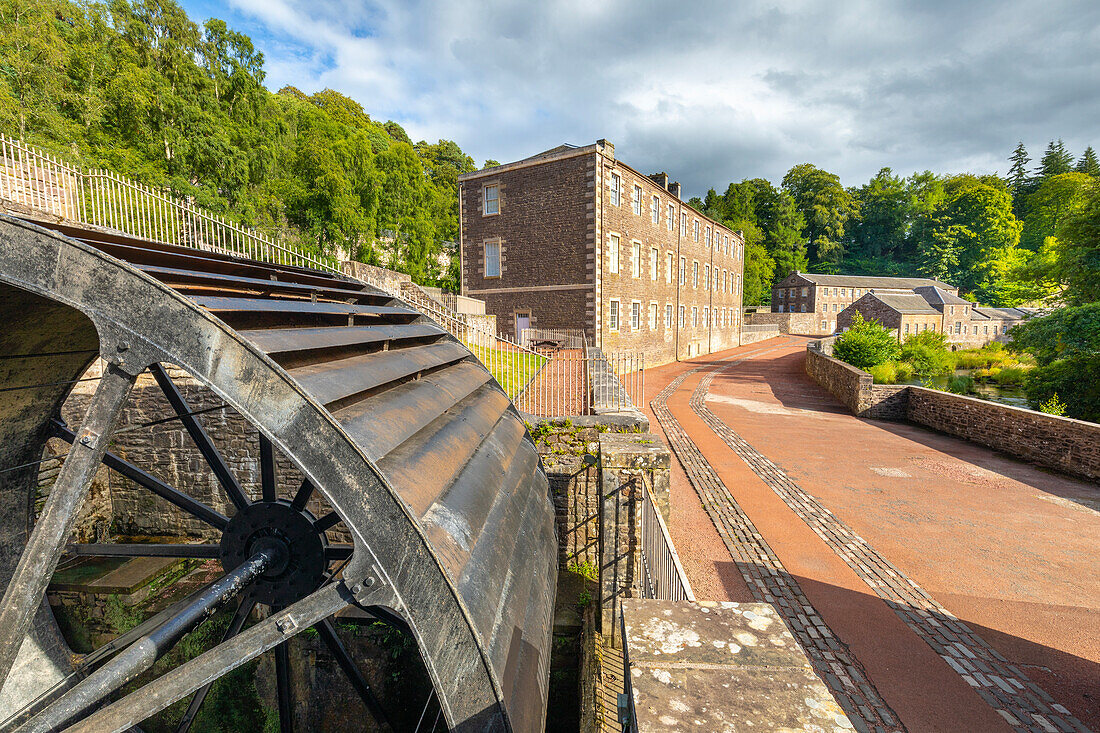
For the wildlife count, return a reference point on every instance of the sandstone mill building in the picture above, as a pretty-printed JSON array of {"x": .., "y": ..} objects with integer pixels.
[{"x": 573, "y": 238}]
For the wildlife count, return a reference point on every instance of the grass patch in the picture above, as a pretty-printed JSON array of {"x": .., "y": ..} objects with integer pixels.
[{"x": 512, "y": 369}]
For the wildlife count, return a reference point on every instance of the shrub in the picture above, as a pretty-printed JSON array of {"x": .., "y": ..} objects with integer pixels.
[
  {"x": 1009, "y": 376},
  {"x": 865, "y": 344},
  {"x": 1053, "y": 406},
  {"x": 904, "y": 371},
  {"x": 884, "y": 373},
  {"x": 960, "y": 385},
  {"x": 927, "y": 353}
]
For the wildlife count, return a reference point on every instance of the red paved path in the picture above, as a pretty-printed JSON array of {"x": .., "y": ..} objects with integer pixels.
[{"x": 1009, "y": 549}]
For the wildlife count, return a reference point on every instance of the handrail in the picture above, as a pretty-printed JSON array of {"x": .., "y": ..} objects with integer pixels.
[{"x": 662, "y": 576}]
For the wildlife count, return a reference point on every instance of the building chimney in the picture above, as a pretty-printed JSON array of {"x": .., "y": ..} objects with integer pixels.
[
  {"x": 606, "y": 147},
  {"x": 661, "y": 179},
  {"x": 674, "y": 188}
]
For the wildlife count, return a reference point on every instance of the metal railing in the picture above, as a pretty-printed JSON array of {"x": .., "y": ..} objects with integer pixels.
[
  {"x": 34, "y": 179},
  {"x": 617, "y": 380},
  {"x": 564, "y": 338},
  {"x": 660, "y": 574}
]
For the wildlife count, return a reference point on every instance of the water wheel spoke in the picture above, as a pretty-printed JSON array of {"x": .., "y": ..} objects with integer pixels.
[
  {"x": 305, "y": 491},
  {"x": 23, "y": 595},
  {"x": 327, "y": 630},
  {"x": 198, "y": 552},
  {"x": 147, "y": 480},
  {"x": 267, "y": 470},
  {"x": 338, "y": 552},
  {"x": 210, "y": 665},
  {"x": 327, "y": 522},
  {"x": 235, "y": 626},
  {"x": 282, "y": 689},
  {"x": 206, "y": 446}
]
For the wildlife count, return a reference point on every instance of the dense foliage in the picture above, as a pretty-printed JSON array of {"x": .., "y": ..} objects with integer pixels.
[
  {"x": 1066, "y": 346},
  {"x": 135, "y": 86},
  {"x": 1002, "y": 241},
  {"x": 866, "y": 344}
]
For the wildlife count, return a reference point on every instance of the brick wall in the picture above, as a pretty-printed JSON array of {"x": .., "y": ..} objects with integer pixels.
[{"x": 1061, "y": 443}]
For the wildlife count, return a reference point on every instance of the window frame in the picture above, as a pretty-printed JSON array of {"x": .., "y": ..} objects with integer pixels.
[
  {"x": 499, "y": 245},
  {"x": 654, "y": 263},
  {"x": 485, "y": 199},
  {"x": 635, "y": 259},
  {"x": 655, "y": 209},
  {"x": 670, "y": 315},
  {"x": 613, "y": 252},
  {"x": 671, "y": 216},
  {"x": 614, "y": 314},
  {"x": 636, "y": 202},
  {"x": 635, "y": 315},
  {"x": 616, "y": 186}
]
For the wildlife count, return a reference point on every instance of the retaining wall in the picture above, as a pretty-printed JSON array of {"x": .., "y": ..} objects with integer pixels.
[
  {"x": 799, "y": 324},
  {"x": 753, "y": 334},
  {"x": 1061, "y": 443}
]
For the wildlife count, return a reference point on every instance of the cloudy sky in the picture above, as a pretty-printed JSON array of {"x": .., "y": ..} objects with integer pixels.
[{"x": 708, "y": 91}]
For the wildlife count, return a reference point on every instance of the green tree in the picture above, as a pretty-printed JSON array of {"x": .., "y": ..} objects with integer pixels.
[
  {"x": 826, "y": 208},
  {"x": 1078, "y": 261},
  {"x": 972, "y": 238},
  {"x": 1088, "y": 163},
  {"x": 1066, "y": 347},
  {"x": 884, "y": 206},
  {"x": 1055, "y": 199},
  {"x": 1019, "y": 178},
  {"x": 1056, "y": 160},
  {"x": 866, "y": 344}
]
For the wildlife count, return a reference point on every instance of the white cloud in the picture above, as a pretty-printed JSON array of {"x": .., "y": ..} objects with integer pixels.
[{"x": 710, "y": 92}]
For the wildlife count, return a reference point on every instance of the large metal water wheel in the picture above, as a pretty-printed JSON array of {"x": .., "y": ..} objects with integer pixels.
[{"x": 392, "y": 423}]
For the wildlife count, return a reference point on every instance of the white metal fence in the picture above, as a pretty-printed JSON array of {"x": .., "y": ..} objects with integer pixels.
[
  {"x": 563, "y": 338},
  {"x": 541, "y": 382},
  {"x": 660, "y": 574},
  {"x": 34, "y": 179},
  {"x": 617, "y": 379}
]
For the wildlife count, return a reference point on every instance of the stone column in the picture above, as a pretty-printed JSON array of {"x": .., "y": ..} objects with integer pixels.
[{"x": 627, "y": 462}]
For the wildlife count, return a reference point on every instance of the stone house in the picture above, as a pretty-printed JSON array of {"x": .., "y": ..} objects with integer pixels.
[
  {"x": 573, "y": 238},
  {"x": 929, "y": 308},
  {"x": 904, "y": 313},
  {"x": 828, "y": 295}
]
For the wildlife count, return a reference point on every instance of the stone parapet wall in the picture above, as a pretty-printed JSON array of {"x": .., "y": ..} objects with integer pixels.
[
  {"x": 799, "y": 324},
  {"x": 1062, "y": 443},
  {"x": 753, "y": 335},
  {"x": 388, "y": 280}
]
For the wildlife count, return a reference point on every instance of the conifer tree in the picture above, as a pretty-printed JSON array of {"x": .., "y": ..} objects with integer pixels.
[
  {"x": 1056, "y": 160},
  {"x": 1088, "y": 163}
]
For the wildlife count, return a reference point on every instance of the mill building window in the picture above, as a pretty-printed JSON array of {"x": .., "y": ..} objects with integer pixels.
[
  {"x": 613, "y": 253},
  {"x": 653, "y": 263},
  {"x": 652, "y": 316},
  {"x": 695, "y": 230},
  {"x": 616, "y": 189},
  {"x": 636, "y": 259},
  {"x": 694, "y": 316},
  {"x": 683, "y": 222},
  {"x": 637, "y": 200},
  {"x": 491, "y": 199},
  {"x": 635, "y": 316},
  {"x": 681, "y": 316},
  {"x": 668, "y": 315},
  {"x": 683, "y": 264},
  {"x": 655, "y": 209},
  {"x": 492, "y": 259},
  {"x": 670, "y": 218},
  {"x": 695, "y": 274},
  {"x": 613, "y": 314},
  {"x": 670, "y": 262}
]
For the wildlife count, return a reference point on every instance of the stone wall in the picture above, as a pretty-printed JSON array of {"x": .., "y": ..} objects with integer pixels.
[
  {"x": 799, "y": 324},
  {"x": 388, "y": 280},
  {"x": 1061, "y": 443},
  {"x": 752, "y": 335},
  {"x": 1068, "y": 445},
  {"x": 855, "y": 388}
]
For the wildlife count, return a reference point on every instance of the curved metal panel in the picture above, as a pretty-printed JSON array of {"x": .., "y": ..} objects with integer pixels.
[{"x": 403, "y": 431}]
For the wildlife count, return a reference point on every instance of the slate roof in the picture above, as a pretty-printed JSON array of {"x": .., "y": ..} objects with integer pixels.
[
  {"x": 938, "y": 296},
  {"x": 907, "y": 303},
  {"x": 869, "y": 282},
  {"x": 1003, "y": 314}
]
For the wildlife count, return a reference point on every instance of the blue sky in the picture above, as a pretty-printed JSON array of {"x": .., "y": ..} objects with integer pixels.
[{"x": 710, "y": 92}]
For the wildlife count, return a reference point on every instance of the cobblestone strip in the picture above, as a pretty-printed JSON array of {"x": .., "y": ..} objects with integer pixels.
[
  {"x": 771, "y": 583},
  {"x": 1021, "y": 702}
]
